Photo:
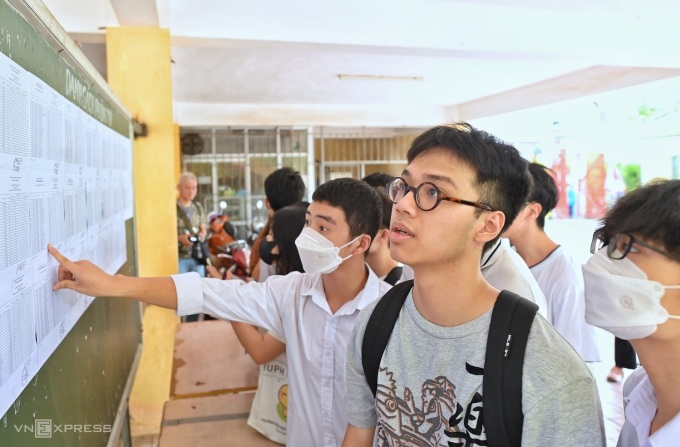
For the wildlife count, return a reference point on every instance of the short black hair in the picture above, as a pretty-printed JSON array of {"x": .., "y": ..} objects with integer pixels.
[
  {"x": 651, "y": 212},
  {"x": 544, "y": 191},
  {"x": 284, "y": 187},
  {"x": 359, "y": 201},
  {"x": 502, "y": 175},
  {"x": 287, "y": 224},
  {"x": 386, "y": 206},
  {"x": 377, "y": 179}
]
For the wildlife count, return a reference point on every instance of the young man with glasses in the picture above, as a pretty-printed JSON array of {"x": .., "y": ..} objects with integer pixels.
[
  {"x": 632, "y": 289},
  {"x": 460, "y": 189}
]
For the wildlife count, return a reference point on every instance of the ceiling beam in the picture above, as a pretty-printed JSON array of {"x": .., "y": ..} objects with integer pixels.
[
  {"x": 589, "y": 81},
  {"x": 136, "y": 12}
]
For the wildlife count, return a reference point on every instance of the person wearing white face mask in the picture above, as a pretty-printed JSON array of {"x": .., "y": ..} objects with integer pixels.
[
  {"x": 632, "y": 289},
  {"x": 312, "y": 313}
]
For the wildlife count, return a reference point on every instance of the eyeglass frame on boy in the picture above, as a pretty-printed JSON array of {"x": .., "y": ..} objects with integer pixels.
[
  {"x": 612, "y": 248},
  {"x": 440, "y": 197}
]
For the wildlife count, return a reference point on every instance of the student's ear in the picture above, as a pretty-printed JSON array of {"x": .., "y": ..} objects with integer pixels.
[
  {"x": 492, "y": 225},
  {"x": 381, "y": 239},
  {"x": 364, "y": 244},
  {"x": 534, "y": 210}
]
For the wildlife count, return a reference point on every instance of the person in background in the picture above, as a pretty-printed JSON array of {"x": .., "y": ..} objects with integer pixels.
[
  {"x": 379, "y": 258},
  {"x": 460, "y": 189},
  {"x": 379, "y": 180},
  {"x": 282, "y": 187},
  {"x": 624, "y": 357},
  {"x": 187, "y": 186},
  {"x": 313, "y": 313},
  {"x": 555, "y": 271},
  {"x": 278, "y": 251},
  {"x": 632, "y": 289}
]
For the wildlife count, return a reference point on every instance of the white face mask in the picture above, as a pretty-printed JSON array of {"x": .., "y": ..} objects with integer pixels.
[
  {"x": 318, "y": 254},
  {"x": 620, "y": 299}
]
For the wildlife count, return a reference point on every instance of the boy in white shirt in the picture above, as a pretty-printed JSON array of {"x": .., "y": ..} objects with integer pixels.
[
  {"x": 379, "y": 258},
  {"x": 556, "y": 274},
  {"x": 312, "y": 313},
  {"x": 632, "y": 289}
]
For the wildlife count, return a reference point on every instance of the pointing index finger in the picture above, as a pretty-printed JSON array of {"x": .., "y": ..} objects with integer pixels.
[{"x": 61, "y": 259}]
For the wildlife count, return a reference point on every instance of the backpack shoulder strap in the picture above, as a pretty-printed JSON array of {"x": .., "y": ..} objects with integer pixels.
[
  {"x": 379, "y": 328},
  {"x": 511, "y": 322},
  {"x": 394, "y": 275}
]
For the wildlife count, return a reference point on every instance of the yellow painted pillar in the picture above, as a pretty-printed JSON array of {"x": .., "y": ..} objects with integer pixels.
[
  {"x": 178, "y": 164},
  {"x": 139, "y": 72}
]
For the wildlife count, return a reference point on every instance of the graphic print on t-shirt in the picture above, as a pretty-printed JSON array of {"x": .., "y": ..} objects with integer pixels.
[{"x": 437, "y": 418}]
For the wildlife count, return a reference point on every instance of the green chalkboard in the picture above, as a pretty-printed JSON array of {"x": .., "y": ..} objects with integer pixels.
[
  {"x": 82, "y": 388},
  {"x": 84, "y": 380}
]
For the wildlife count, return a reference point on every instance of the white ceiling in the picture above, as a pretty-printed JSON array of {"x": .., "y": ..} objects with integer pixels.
[{"x": 420, "y": 62}]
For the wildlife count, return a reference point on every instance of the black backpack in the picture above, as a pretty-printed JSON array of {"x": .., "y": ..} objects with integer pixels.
[{"x": 511, "y": 321}]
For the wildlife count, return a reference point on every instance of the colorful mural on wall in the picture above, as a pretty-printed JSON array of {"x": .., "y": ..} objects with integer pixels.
[{"x": 587, "y": 189}]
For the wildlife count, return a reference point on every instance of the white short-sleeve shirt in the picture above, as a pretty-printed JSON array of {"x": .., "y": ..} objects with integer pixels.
[
  {"x": 295, "y": 310},
  {"x": 640, "y": 405},
  {"x": 562, "y": 284}
]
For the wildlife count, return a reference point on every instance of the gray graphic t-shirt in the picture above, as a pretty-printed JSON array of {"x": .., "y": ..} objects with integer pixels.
[{"x": 430, "y": 386}]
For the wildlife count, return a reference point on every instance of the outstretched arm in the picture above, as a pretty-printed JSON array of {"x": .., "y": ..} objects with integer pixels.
[
  {"x": 262, "y": 348},
  {"x": 85, "y": 277}
]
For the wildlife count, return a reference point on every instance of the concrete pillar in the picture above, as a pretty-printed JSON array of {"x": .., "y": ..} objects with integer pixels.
[{"x": 139, "y": 72}]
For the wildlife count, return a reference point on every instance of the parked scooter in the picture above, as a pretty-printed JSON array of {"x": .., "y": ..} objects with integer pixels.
[
  {"x": 234, "y": 258},
  {"x": 229, "y": 254}
]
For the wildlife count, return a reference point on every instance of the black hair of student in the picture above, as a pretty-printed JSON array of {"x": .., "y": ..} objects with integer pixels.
[
  {"x": 386, "y": 206},
  {"x": 287, "y": 224},
  {"x": 544, "y": 191},
  {"x": 502, "y": 175},
  {"x": 378, "y": 179},
  {"x": 359, "y": 201},
  {"x": 651, "y": 212},
  {"x": 284, "y": 187}
]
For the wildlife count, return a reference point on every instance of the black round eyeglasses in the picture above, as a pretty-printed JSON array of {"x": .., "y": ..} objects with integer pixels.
[
  {"x": 622, "y": 243},
  {"x": 427, "y": 195}
]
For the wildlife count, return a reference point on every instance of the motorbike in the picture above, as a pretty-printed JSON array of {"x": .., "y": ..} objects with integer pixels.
[
  {"x": 228, "y": 253},
  {"x": 234, "y": 258}
]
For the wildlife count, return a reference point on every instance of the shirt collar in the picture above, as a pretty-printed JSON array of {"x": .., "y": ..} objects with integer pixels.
[
  {"x": 640, "y": 410},
  {"x": 313, "y": 287},
  {"x": 493, "y": 253}
]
